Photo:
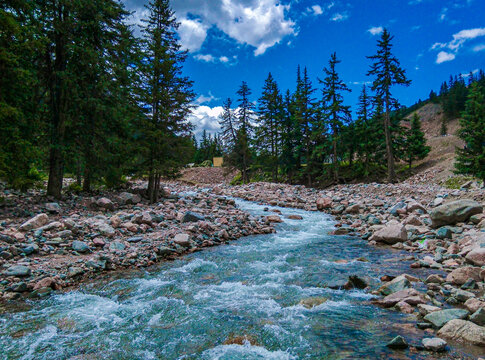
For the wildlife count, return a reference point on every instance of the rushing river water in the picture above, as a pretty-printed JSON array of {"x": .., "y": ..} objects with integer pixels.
[{"x": 236, "y": 301}]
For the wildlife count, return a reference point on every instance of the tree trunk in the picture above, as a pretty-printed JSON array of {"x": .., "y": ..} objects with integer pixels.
[
  {"x": 87, "y": 179},
  {"x": 335, "y": 160},
  {"x": 391, "y": 173},
  {"x": 57, "y": 107}
]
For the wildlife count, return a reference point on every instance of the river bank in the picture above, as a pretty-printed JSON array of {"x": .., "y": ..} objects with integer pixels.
[{"x": 84, "y": 237}]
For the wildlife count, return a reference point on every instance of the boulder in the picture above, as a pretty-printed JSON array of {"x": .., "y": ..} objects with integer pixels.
[
  {"x": 116, "y": 246},
  {"x": 80, "y": 246},
  {"x": 434, "y": 344},
  {"x": 190, "y": 216},
  {"x": 401, "y": 296},
  {"x": 478, "y": 317},
  {"x": 273, "y": 219},
  {"x": 355, "y": 282},
  {"x": 182, "y": 240},
  {"x": 476, "y": 256},
  {"x": 105, "y": 203},
  {"x": 391, "y": 234},
  {"x": 353, "y": 209},
  {"x": 34, "y": 223},
  {"x": 53, "y": 207},
  {"x": 397, "y": 284},
  {"x": 397, "y": 343},
  {"x": 454, "y": 212},
  {"x": 463, "y": 331},
  {"x": 440, "y": 318},
  {"x": 106, "y": 230},
  {"x": 462, "y": 274},
  {"x": 473, "y": 304},
  {"x": 324, "y": 203},
  {"x": 18, "y": 271},
  {"x": 311, "y": 302},
  {"x": 128, "y": 198}
]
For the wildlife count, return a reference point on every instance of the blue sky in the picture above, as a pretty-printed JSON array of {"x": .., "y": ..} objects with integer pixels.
[{"x": 234, "y": 40}]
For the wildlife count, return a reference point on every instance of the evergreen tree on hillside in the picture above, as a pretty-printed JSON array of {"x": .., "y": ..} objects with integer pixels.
[
  {"x": 168, "y": 95},
  {"x": 387, "y": 72},
  {"x": 336, "y": 114},
  {"x": 305, "y": 113},
  {"x": 227, "y": 121},
  {"x": 365, "y": 137},
  {"x": 290, "y": 138},
  {"x": 270, "y": 116},
  {"x": 415, "y": 145},
  {"x": 244, "y": 116},
  {"x": 471, "y": 159}
]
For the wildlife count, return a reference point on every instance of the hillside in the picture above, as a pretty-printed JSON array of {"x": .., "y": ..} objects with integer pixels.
[{"x": 438, "y": 165}]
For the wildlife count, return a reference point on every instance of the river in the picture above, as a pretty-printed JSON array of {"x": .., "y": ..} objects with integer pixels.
[{"x": 235, "y": 301}]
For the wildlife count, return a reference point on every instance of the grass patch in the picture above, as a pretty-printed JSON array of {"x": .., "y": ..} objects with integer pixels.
[{"x": 456, "y": 182}]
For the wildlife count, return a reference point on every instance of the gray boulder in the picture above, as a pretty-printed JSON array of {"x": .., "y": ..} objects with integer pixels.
[
  {"x": 440, "y": 318},
  {"x": 190, "y": 216},
  {"x": 454, "y": 212},
  {"x": 434, "y": 344},
  {"x": 464, "y": 331},
  {"x": 80, "y": 246},
  {"x": 18, "y": 271},
  {"x": 34, "y": 223},
  {"x": 391, "y": 234}
]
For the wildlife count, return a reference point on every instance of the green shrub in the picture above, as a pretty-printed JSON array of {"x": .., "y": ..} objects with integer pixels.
[
  {"x": 75, "y": 188},
  {"x": 456, "y": 182},
  {"x": 237, "y": 180},
  {"x": 206, "y": 163}
]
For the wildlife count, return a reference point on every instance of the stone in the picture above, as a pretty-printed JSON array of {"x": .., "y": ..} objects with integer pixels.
[
  {"x": 182, "y": 240},
  {"x": 425, "y": 309},
  {"x": 478, "y": 317},
  {"x": 117, "y": 246},
  {"x": 34, "y": 223},
  {"x": 391, "y": 234},
  {"x": 434, "y": 279},
  {"x": 19, "y": 287},
  {"x": 397, "y": 284},
  {"x": 190, "y": 216},
  {"x": 402, "y": 295},
  {"x": 444, "y": 233},
  {"x": 462, "y": 295},
  {"x": 397, "y": 343},
  {"x": 53, "y": 207},
  {"x": 462, "y": 274},
  {"x": 311, "y": 302},
  {"x": 414, "y": 205},
  {"x": 463, "y": 331},
  {"x": 473, "y": 304},
  {"x": 128, "y": 198},
  {"x": 273, "y": 219},
  {"x": 74, "y": 271},
  {"x": 18, "y": 271},
  {"x": 394, "y": 210},
  {"x": 324, "y": 203},
  {"x": 355, "y": 282},
  {"x": 440, "y": 318},
  {"x": 454, "y": 212},
  {"x": 99, "y": 242},
  {"x": 135, "y": 239},
  {"x": 165, "y": 251},
  {"x": 295, "y": 217},
  {"x": 353, "y": 209},
  {"x": 476, "y": 256},
  {"x": 80, "y": 246},
  {"x": 105, "y": 203},
  {"x": 106, "y": 230},
  {"x": 434, "y": 344}
]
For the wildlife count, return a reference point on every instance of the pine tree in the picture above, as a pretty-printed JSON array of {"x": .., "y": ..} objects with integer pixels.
[
  {"x": 304, "y": 112},
  {"x": 229, "y": 129},
  {"x": 471, "y": 159},
  {"x": 270, "y": 114},
  {"x": 290, "y": 138},
  {"x": 168, "y": 95},
  {"x": 337, "y": 114},
  {"x": 387, "y": 72},
  {"x": 415, "y": 145},
  {"x": 244, "y": 116}
]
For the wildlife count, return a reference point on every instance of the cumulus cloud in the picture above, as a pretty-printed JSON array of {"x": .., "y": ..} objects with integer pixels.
[
  {"x": 317, "y": 10},
  {"x": 258, "y": 23},
  {"x": 192, "y": 34},
  {"x": 444, "y": 56},
  {"x": 478, "y": 48},
  {"x": 458, "y": 41},
  {"x": 376, "y": 30},
  {"x": 340, "y": 16},
  {"x": 204, "y": 99},
  {"x": 205, "y": 118}
]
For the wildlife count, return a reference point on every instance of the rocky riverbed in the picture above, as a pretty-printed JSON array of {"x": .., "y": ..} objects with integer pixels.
[{"x": 47, "y": 246}]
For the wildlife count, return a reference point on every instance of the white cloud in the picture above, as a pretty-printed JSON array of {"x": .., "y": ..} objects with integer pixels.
[
  {"x": 478, "y": 48},
  {"x": 203, "y": 99},
  {"x": 317, "y": 10},
  {"x": 376, "y": 30},
  {"x": 444, "y": 56},
  {"x": 224, "y": 59},
  {"x": 206, "y": 57},
  {"x": 258, "y": 23},
  {"x": 340, "y": 16},
  {"x": 459, "y": 40},
  {"x": 330, "y": 5},
  {"x": 443, "y": 13},
  {"x": 192, "y": 34},
  {"x": 205, "y": 118}
]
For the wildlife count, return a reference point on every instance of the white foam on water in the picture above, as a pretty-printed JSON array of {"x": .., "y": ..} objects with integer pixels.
[
  {"x": 245, "y": 351},
  {"x": 195, "y": 264},
  {"x": 46, "y": 334}
]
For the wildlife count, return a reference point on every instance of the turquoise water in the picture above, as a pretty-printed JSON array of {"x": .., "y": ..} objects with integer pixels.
[{"x": 236, "y": 301}]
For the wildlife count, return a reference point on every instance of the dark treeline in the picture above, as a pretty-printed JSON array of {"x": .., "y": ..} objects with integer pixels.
[
  {"x": 309, "y": 136},
  {"x": 206, "y": 149},
  {"x": 81, "y": 95}
]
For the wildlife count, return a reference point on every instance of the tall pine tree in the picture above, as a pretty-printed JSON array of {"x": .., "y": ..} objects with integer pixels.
[{"x": 387, "y": 72}]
